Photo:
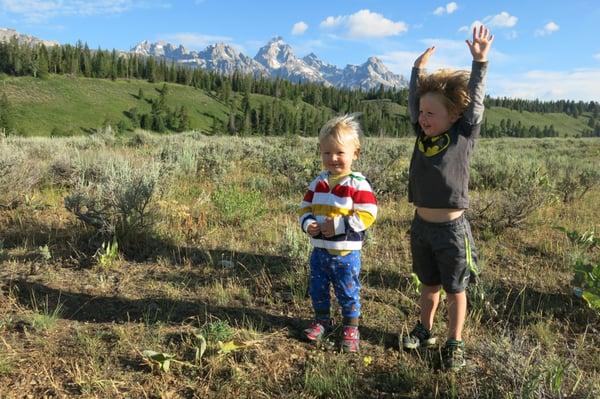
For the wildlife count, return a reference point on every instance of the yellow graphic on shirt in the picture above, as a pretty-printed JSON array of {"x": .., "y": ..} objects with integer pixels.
[{"x": 431, "y": 146}]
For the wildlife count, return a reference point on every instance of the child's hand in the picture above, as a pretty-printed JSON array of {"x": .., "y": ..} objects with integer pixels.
[
  {"x": 421, "y": 61},
  {"x": 313, "y": 229},
  {"x": 482, "y": 42},
  {"x": 327, "y": 228}
]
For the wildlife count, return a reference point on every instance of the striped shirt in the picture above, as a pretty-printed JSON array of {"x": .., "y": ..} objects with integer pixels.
[{"x": 351, "y": 204}]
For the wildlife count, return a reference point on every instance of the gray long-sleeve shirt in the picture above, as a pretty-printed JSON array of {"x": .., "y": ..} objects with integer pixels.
[{"x": 439, "y": 167}]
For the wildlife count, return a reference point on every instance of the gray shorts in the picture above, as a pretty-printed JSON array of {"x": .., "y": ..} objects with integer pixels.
[{"x": 443, "y": 253}]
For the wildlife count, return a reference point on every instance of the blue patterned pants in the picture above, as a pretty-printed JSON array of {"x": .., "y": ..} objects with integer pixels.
[{"x": 341, "y": 272}]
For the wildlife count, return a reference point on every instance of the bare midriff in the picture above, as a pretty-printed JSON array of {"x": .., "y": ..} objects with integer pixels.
[{"x": 439, "y": 215}]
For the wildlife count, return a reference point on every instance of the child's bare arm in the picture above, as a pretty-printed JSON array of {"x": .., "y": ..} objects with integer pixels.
[
  {"x": 479, "y": 48},
  {"x": 413, "y": 99}
]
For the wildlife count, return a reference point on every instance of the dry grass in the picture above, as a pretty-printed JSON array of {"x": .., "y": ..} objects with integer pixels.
[{"x": 69, "y": 328}]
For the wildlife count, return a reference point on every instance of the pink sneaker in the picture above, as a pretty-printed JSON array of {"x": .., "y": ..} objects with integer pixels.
[
  {"x": 315, "y": 331},
  {"x": 351, "y": 339}
]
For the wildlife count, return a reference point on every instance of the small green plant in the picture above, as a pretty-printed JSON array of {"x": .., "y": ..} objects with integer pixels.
[
  {"x": 296, "y": 278},
  {"x": 6, "y": 365},
  {"x": 199, "y": 345},
  {"x": 161, "y": 361},
  {"x": 329, "y": 378},
  {"x": 108, "y": 255},
  {"x": 44, "y": 318},
  {"x": 586, "y": 279},
  {"x": 44, "y": 252},
  {"x": 238, "y": 207},
  {"x": 218, "y": 330},
  {"x": 587, "y": 283},
  {"x": 414, "y": 279},
  {"x": 586, "y": 240}
]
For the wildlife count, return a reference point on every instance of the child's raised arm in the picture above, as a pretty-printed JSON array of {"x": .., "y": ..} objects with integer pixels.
[
  {"x": 413, "y": 99},
  {"x": 481, "y": 44},
  {"x": 479, "y": 48}
]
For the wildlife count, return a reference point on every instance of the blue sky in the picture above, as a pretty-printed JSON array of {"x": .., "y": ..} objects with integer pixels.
[{"x": 543, "y": 49}]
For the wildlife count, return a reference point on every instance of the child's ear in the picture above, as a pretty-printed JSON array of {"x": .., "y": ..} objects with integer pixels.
[
  {"x": 454, "y": 116},
  {"x": 356, "y": 153}
]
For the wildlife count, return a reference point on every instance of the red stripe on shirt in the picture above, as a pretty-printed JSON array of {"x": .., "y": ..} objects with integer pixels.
[
  {"x": 308, "y": 197},
  {"x": 364, "y": 197},
  {"x": 322, "y": 187},
  {"x": 343, "y": 191}
]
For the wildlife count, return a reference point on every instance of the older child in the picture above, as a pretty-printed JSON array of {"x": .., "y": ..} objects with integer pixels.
[
  {"x": 446, "y": 109},
  {"x": 336, "y": 210}
]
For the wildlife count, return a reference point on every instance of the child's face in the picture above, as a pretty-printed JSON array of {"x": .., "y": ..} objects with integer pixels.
[
  {"x": 434, "y": 117},
  {"x": 338, "y": 156}
]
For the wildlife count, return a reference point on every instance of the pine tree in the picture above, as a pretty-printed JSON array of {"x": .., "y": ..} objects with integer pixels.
[
  {"x": 184, "y": 119},
  {"x": 231, "y": 124},
  {"x": 7, "y": 124},
  {"x": 43, "y": 62}
]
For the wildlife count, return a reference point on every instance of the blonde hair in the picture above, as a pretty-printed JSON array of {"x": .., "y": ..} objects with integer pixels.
[
  {"x": 450, "y": 85},
  {"x": 342, "y": 128}
]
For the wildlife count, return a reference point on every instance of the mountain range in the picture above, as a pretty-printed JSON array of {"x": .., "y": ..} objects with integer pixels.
[
  {"x": 7, "y": 34},
  {"x": 277, "y": 59}
]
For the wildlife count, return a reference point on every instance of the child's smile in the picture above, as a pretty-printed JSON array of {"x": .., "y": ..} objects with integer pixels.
[
  {"x": 337, "y": 156},
  {"x": 434, "y": 118}
]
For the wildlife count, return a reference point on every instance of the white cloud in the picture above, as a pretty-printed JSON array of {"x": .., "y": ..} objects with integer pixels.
[
  {"x": 502, "y": 20},
  {"x": 37, "y": 11},
  {"x": 597, "y": 56},
  {"x": 448, "y": 9},
  {"x": 366, "y": 24},
  {"x": 331, "y": 22},
  {"x": 511, "y": 35},
  {"x": 195, "y": 41},
  {"x": 548, "y": 29},
  {"x": 451, "y": 7},
  {"x": 577, "y": 84},
  {"x": 299, "y": 28}
]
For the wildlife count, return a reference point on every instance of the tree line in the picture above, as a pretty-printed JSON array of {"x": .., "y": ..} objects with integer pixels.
[
  {"x": 272, "y": 117},
  {"x": 569, "y": 107}
]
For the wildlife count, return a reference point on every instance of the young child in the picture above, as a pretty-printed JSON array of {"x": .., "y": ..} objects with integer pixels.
[
  {"x": 336, "y": 210},
  {"x": 446, "y": 109}
]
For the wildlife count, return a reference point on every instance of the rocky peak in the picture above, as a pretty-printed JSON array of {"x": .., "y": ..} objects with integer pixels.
[{"x": 275, "y": 54}]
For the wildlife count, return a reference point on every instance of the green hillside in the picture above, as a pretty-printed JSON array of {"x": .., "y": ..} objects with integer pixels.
[
  {"x": 566, "y": 125},
  {"x": 76, "y": 105}
]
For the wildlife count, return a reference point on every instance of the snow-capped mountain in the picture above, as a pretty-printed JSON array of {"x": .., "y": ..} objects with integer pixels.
[
  {"x": 274, "y": 59},
  {"x": 330, "y": 72},
  {"x": 7, "y": 34},
  {"x": 277, "y": 59},
  {"x": 162, "y": 49},
  {"x": 370, "y": 75},
  {"x": 225, "y": 59}
]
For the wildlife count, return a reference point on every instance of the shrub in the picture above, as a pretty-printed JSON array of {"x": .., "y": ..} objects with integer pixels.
[
  {"x": 510, "y": 206},
  {"x": 572, "y": 180},
  {"x": 141, "y": 138},
  {"x": 19, "y": 174},
  {"x": 116, "y": 202}
]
